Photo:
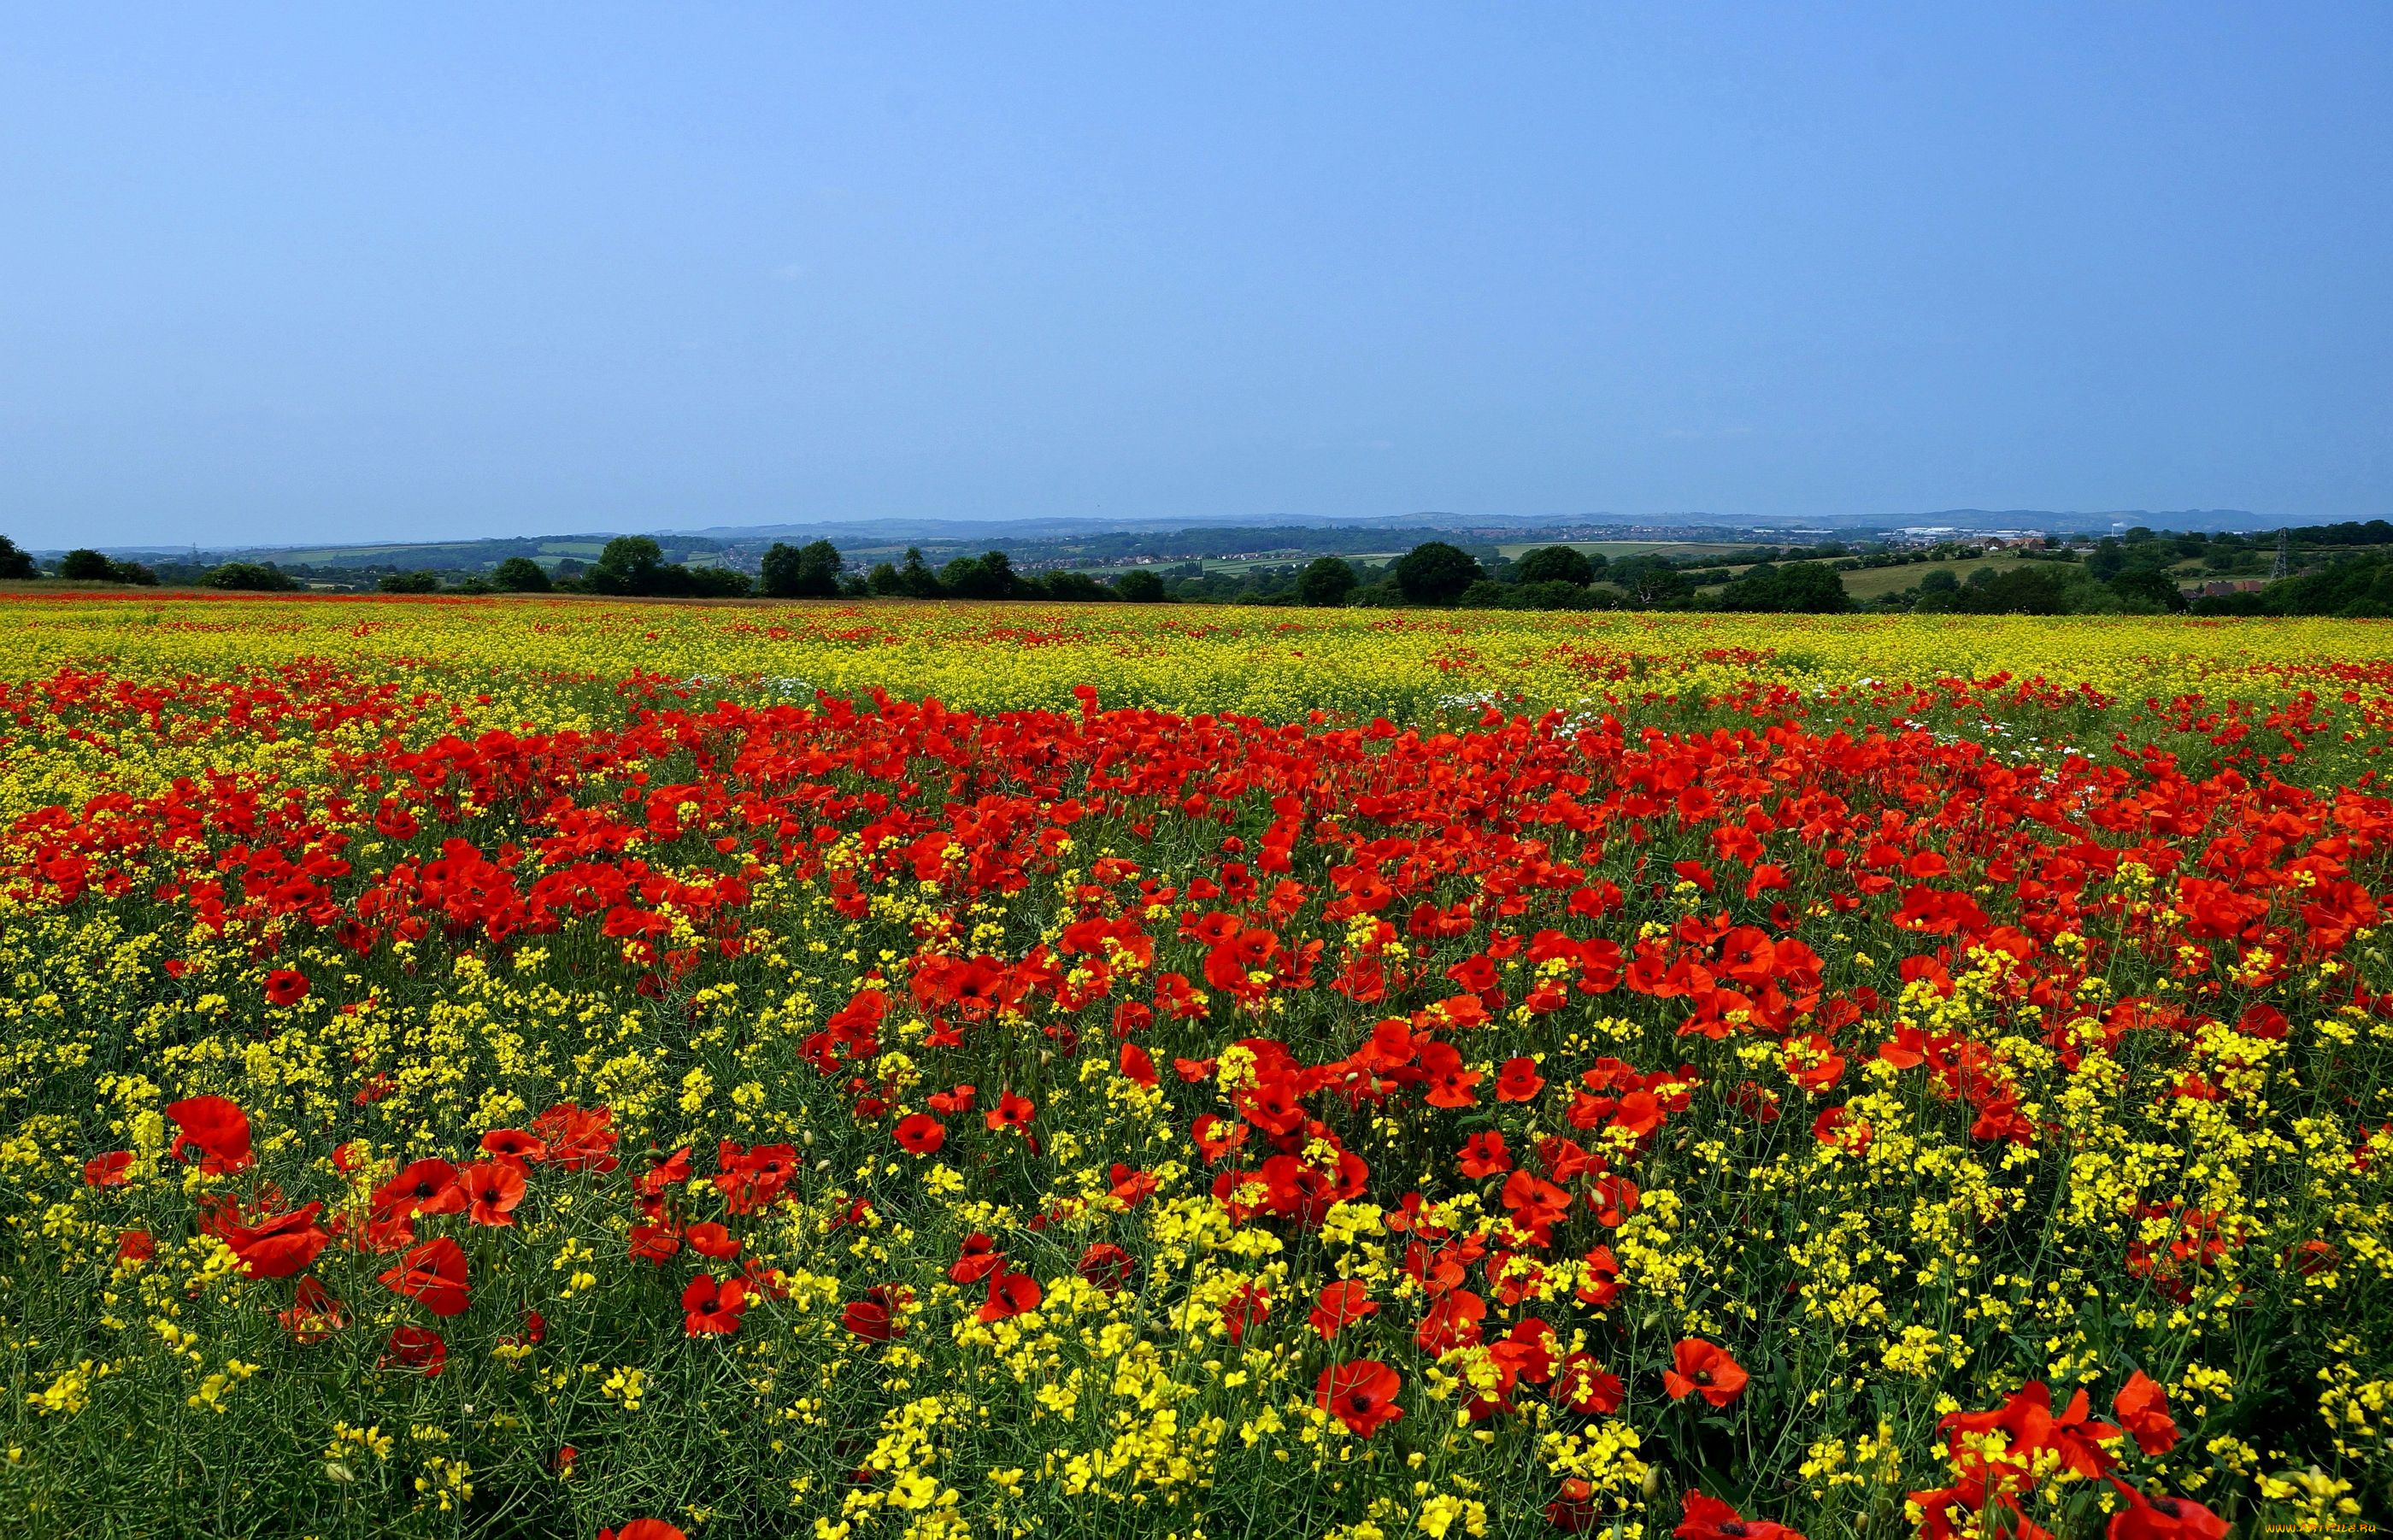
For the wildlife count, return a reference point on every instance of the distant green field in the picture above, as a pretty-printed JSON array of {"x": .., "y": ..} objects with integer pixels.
[
  {"x": 403, "y": 555},
  {"x": 1872, "y": 582}
]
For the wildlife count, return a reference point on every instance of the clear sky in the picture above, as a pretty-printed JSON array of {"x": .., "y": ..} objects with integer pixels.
[{"x": 286, "y": 274}]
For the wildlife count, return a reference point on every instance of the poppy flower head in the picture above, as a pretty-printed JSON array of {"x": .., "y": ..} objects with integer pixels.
[
  {"x": 644, "y": 1528},
  {"x": 272, "y": 1246},
  {"x": 285, "y": 987},
  {"x": 1106, "y": 1265},
  {"x": 710, "y": 1307},
  {"x": 1702, "y": 1368},
  {"x": 1518, "y": 1080},
  {"x": 875, "y": 1317},
  {"x": 920, "y": 1133},
  {"x": 107, "y": 1170},
  {"x": 1707, "y": 1517},
  {"x": 427, "y": 1186},
  {"x": 433, "y": 1275},
  {"x": 515, "y": 1147},
  {"x": 215, "y": 1126},
  {"x": 1484, "y": 1155},
  {"x": 2164, "y": 1517},
  {"x": 978, "y": 1257},
  {"x": 578, "y": 1138},
  {"x": 2142, "y": 1409},
  {"x": 1340, "y": 1305},
  {"x": 711, "y": 1240},
  {"x": 314, "y": 1314},
  {"x": 1010, "y": 1293},
  {"x": 492, "y": 1190},
  {"x": 1011, "y": 1111},
  {"x": 1361, "y": 1393},
  {"x": 1584, "y": 1385},
  {"x": 416, "y": 1348}
]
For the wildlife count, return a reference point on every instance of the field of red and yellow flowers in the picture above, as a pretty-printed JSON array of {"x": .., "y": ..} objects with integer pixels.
[{"x": 560, "y": 1069}]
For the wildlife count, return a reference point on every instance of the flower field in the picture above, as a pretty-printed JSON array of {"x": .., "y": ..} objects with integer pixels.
[{"x": 566, "y": 1068}]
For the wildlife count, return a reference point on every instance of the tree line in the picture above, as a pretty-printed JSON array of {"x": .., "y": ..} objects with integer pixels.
[{"x": 2347, "y": 570}]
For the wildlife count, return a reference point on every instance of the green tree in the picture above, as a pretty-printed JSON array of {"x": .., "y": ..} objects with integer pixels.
[
  {"x": 1324, "y": 582},
  {"x": 1650, "y": 582},
  {"x": 252, "y": 577},
  {"x": 87, "y": 566},
  {"x": 915, "y": 579},
  {"x": 15, "y": 565},
  {"x": 409, "y": 582},
  {"x": 988, "y": 576},
  {"x": 1797, "y": 588},
  {"x": 1139, "y": 586},
  {"x": 2030, "y": 590},
  {"x": 630, "y": 564},
  {"x": 710, "y": 581},
  {"x": 1436, "y": 573},
  {"x": 2146, "y": 587},
  {"x": 809, "y": 571},
  {"x": 519, "y": 575},
  {"x": 1555, "y": 564}
]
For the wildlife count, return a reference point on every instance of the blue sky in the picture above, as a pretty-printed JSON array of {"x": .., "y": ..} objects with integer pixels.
[{"x": 286, "y": 274}]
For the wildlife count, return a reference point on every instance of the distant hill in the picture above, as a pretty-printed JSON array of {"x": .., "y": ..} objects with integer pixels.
[{"x": 1102, "y": 544}]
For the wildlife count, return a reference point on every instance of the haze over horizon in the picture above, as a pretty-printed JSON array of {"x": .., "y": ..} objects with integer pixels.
[{"x": 292, "y": 277}]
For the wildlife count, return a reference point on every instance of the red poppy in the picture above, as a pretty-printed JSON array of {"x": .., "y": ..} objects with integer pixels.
[
  {"x": 2142, "y": 1408},
  {"x": 513, "y": 1147},
  {"x": 1448, "y": 1081},
  {"x": 1011, "y": 1111},
  {"x": 107, "y": 1170},
  {"x": 711, "y": 1308},
  {"x": 1584, "y": 1385},
  {"x": 874, "y": 1317},
  {"x": 2164, "y": 1517},
  {"x": 286, "y": 986},
  {"x": 1601, "y": 1284},
  {"x": 750, "y": 1180},
  {"x": 493, "y": 1189},
  {"x": 1010, "y": 1293},
  {"x": 433, "y": 1275},
  {"x": 1107, "y": 1266},
  {"x": 1130, "y": 1187},
  {"x": 1573, "y": 1510},
  {"x": 920, "y": 1133},
  {"x": 711, "y": 1240},
  {"x": 1518, "y": 1080},
  {"x": 427, "y": 1186},
  {"x": 135, "y": 1246},
  {"x": 273, "y": 1245},
  {"x": 1247, "y": 1306},
  {"x": 1340, "y": 1305},
  {"x": 643, "y": 1529},
  {"x": 1451, "y": 1321},
  {"x": 578, "y": 1138},
  {"x": 956, "y": 1101},
  {"x": 1361, "y": 1393},
  {"x": 1698, "y": 1368},
  {"x": 215, "y": 1126},
  {"x": 1484, "y": 1156},
  {"x": 1137, "y": 1067},
  {"x": 654, "y": 1243},
  {"x": 1709, "y": 1518},
  {"x": 2026, "y": 1419},
  {"x": 313, "y": 1314},
  {"x": 416, "y": 1348},
  {"x": 978, "y": 1258}
]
